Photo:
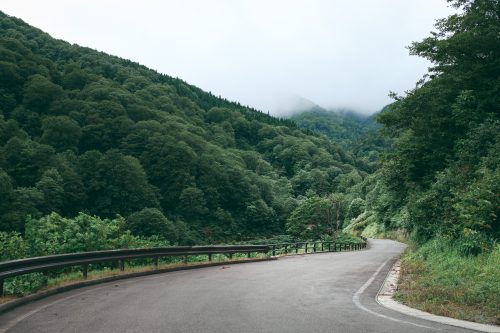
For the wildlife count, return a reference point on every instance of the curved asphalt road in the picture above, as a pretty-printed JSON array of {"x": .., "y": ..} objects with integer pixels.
[{"x": 328, "y": 292}]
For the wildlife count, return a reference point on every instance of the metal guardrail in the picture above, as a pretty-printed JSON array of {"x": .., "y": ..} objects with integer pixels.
[
  {"x": 315, "y": 247},
  {"x": 39, "y": 264},
  {"x": 18, "y": 267}
]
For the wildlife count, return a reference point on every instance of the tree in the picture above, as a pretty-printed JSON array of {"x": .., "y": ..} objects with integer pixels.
[
  {"x": 457, "y": 103},
  {"x": 151, "y": 222},
  {"x": 25, "y": 202},
  {"x": 61, "y": 132},
  {"x": 118, "y": 185},
  {"x": 356, "y": 207},
  {"x": 192, "y": 204},
  {"x": 52, "y": 187},
  {"x": 335, "y": 207},
  {"x": 40, "y": 92},
  {"x": 25, "y": 160}
]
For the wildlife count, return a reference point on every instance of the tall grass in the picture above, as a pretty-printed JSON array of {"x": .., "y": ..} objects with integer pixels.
[{"x": 437, "y": 278}]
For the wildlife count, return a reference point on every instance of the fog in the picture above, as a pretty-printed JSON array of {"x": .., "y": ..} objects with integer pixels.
[{"x": 274, "y": 55}]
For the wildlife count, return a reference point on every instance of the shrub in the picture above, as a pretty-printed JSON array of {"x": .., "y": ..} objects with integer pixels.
[{"x": 151, "y": 222}]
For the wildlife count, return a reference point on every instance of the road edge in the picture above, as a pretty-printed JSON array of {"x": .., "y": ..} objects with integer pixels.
[
  {"x": 10, "y": 305},
  {"x": 385, "y": 298}
]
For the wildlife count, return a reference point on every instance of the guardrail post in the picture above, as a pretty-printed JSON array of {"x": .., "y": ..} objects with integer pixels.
[
  {"x": 296, "y": 248},
  {"x": 1, "y": 287},
  {"x": 322, "y": 247},
  {"x": 210, "y": 257},
  {"x": 314, "y": 247},
  {"x": 156, "y": 262},
  {"x": 248, "y": 254},
  {"x": 122, "y": 265},
  {"x": 230, "y": 256},
  {"x": 85, "y": 270},
  {"x": 286, "y": 249},
  {"x": 306, "y": 247},
  {"x": 274, "y": 250}
]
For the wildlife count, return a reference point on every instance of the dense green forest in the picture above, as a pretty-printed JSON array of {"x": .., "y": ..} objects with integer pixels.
[
  {"x": 441, "y": 179},
  {"x": 358, "y": 134},
  {"x": 86, "y": 136}
]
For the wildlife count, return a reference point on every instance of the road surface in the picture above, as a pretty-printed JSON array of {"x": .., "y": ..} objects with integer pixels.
[{"x": 327, "y": 292}]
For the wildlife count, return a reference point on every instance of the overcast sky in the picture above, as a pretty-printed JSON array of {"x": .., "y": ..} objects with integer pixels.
[{"x": 268, "y": 54}]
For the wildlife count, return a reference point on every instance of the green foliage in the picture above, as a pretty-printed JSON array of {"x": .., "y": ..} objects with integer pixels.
[
  {"x": 13, "y": 246},
  {"x": 343, "y": 238},
  {"x": 53, "y": 234},
  {"x": 316, "y": 217},
  {"x": 151, "y": 222},
  {"x": 444, "y": 166},
  {"x": 82, "y": 131},
  {"x": 356, "y": 207},
  {"x": 25, "y": 284},
  {"x": 438, "y": 273},
  {"x": 357, "y": 134},
  {"x": 61, "y": 132}
]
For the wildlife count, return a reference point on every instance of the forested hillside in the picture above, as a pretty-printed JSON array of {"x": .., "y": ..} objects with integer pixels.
[
  {"x": 442, "y": 178},
  {"x": 83, "y": 131},
  {"x": 356, "y": 133}
]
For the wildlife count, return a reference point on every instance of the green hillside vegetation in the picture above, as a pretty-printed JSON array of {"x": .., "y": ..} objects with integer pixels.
[
  {"x": 439, "y": 184},
  {"x": 356, "y": 133},
  {"x": 442, "y": 177},
  {"x": 85, "y": 132}
]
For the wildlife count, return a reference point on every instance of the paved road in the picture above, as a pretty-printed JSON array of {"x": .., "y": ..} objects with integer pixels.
[{"x": 328, "y": 292}]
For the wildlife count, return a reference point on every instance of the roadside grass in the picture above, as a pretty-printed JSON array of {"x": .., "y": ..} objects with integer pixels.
[{"x": 436, "y": 278}]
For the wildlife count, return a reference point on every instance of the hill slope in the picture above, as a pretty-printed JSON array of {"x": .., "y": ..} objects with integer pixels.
[
  {"x": 81, "y": 130},
  {"x": 356, "y": 133}
]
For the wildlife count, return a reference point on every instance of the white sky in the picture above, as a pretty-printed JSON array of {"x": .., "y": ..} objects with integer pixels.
[{"x": 262, "y": 53}]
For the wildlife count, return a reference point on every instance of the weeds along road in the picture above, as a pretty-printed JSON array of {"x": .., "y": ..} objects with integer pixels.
[{"x": 327, "y": 292}]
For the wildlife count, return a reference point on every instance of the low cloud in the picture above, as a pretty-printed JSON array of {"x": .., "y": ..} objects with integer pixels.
[{"x": 334, "y": 53}]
